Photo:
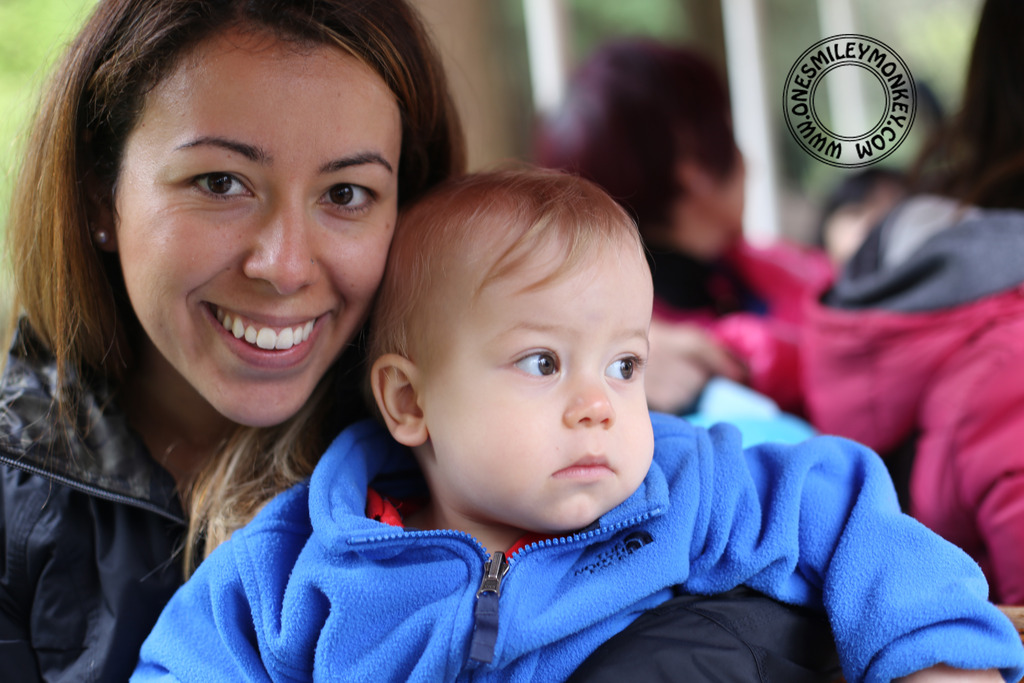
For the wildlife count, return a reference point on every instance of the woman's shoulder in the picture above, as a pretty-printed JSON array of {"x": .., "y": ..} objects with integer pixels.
[
  {"x": 91, "y": 564},
  {"x": 27, "y": 388},
  {"x": 94, "y": 450},
  {"x": 27, "y": 500}
]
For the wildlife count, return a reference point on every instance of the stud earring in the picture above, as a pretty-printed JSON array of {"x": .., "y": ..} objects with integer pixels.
[{"x": 101, "y": 237}]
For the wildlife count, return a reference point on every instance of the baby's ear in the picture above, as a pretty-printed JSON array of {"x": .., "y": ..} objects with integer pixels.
[{"x": 394, "y": 381}]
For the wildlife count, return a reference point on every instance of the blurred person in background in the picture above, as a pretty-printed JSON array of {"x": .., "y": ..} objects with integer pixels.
[
  {"x": 918, "y": 348},
  {"x": 855, "y": 206}
]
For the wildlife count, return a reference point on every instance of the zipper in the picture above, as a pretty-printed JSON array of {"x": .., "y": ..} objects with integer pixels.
[
  {"x": 91, "y": 490},
  {"x": 485, "y": 609},
  {"x": 586, "y": 535},
  {"x": 485, "y": 612}
]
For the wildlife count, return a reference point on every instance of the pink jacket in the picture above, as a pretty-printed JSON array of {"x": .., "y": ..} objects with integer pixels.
[
  {"x": 764, "y": 333},
  {"x": 950, "y": 377}
]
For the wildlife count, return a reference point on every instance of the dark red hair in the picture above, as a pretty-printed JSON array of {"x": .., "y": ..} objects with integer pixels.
[{"x": 634, "y": 109}]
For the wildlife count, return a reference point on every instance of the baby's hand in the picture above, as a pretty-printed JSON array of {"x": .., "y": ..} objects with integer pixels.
[{"x": 945, "y": 674}]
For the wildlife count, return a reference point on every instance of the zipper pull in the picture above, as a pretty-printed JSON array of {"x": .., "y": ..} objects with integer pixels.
[
  {"x": 494, "y": 571},
  {"x": 485, "y": 613}
]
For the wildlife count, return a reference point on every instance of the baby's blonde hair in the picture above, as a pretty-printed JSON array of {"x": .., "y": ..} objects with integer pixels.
[{"x": 493, "y": 223}]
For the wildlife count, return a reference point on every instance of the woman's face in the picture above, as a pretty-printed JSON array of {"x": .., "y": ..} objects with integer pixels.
[
  {"x": 254, "y": 208},
  {"x": 707, "y": 219}
]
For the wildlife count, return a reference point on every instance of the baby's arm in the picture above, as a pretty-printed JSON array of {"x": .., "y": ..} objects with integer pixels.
[
  {"x": 818, "y": 523},
  {"x": 900, "y": 598}
]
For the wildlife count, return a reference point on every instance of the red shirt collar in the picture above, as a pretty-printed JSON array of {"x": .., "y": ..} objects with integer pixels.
[{"x": 384, "y": 510}]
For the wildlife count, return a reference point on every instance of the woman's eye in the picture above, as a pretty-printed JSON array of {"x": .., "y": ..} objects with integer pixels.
[
  {"x": 622, "y": 368},
  {"x": 222, "y": 184},
  {"x": 539, "y": 364},
  {"x": 349, "y": 196}
]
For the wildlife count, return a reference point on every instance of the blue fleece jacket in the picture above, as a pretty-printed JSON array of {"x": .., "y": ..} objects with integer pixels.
[{"x": 314, "y": 590}]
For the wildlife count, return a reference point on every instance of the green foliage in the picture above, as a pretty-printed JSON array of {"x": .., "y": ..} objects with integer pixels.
[
  {"x": 32, "y": 34},
  {"x": 594, "y": 21}
]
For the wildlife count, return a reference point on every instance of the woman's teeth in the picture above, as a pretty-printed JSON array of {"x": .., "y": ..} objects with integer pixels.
[{"x": 265, "y": 337}]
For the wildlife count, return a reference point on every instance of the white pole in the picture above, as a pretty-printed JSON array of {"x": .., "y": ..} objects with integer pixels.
[
  {"x": 545, "y": 42},
  {"x": 846, "y": 102},
  {"x": 744, "y": 50}
]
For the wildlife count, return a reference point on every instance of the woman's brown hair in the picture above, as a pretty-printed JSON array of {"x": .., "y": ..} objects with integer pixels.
[
  {"x": 978, "y": 156},
  {"x": 73, "y": 298}
]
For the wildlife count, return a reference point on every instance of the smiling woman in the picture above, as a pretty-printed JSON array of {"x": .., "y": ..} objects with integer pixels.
[
  {"x": 208, "y": 197},
  {"x": 262, "y": 213}
]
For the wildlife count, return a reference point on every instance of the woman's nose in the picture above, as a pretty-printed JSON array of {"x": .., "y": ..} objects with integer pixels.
[
  {"x": 589, "y": 406},
  {"x": 282, "y": 253}
]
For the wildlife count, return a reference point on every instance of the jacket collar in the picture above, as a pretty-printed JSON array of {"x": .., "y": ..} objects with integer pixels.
[
  {"x": 364, "y": 454},
  {"x": 931, "y": 254},
  {"x": 99, "y": 455}
]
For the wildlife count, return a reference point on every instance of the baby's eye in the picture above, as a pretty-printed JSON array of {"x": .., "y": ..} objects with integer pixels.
[
  {"x": 349, "y": 196},
  {"x": 622, "y": 368},
  {"x": 540, "y": 364},
  {"x": 221, "y": 184}
]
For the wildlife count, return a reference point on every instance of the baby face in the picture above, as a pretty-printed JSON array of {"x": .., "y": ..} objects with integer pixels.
[{"x": 535, "y": 406}]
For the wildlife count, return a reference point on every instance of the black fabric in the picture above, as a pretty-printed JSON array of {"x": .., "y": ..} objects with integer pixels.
[
  {"x": 92, "y": 527},
  {"x": 98, "y": 450},
  {"x": 688, "y": 284},
  {"x": 91, "y": 530},
  {"x": 681, "y": 281},
  {"x": 736, "y": 637},
  {"x": 900, "y": 463},
  {"x": 83, "y": 581}
]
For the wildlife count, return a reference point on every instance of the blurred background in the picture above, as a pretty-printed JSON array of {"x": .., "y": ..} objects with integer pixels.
[{"x": 508, "y": 61}]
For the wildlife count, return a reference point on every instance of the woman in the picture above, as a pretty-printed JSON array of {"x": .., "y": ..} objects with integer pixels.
[
  {"x": 651, "y": 124},
  {"x": 196, "y": 234},
  {"x": 917, "y": 349}
]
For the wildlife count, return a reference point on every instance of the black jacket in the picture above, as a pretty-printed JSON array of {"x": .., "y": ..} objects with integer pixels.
[
  {"x": 91, "y": 530},
  {"x": 740, "y": 636}
]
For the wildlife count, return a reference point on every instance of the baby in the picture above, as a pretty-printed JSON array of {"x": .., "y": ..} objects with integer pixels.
[{"x": 522, "y": 505}]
